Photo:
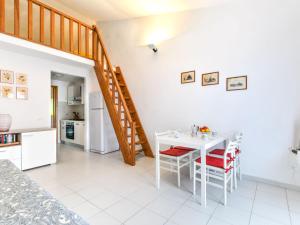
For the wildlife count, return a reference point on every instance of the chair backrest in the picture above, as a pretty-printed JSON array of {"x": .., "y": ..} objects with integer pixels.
[
  {"x": 238, "y": 139},
  {"x": 230, "y": 150}
]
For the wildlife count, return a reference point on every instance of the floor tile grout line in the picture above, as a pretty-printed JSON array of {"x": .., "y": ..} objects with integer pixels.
[
  {"x": 251, "y": 213},
  {"x": 168, "y": 220},
  {"x": 212, "y": 214},
  {"x": 288, "y": 204},
  {"x": 142, "y": 208}
]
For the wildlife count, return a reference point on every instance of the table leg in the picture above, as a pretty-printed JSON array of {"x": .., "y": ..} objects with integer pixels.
[
  {"x": 157, "y": 164},
  {"x": 203, "y": 177}
]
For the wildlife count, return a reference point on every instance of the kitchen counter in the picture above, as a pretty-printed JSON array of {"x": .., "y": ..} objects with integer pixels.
[
  {"x": 29, "y": 130},
  {"x": 24, "y": 202},
  {"x": 70, "y": 120}
]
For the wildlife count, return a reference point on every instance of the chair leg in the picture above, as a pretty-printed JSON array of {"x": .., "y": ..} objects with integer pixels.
[
  {"x": 240, "y": 173},
  {"x": 178, "y": 173},
  {"x": 231, "y": 181},
  {"x": 191, "y": 166},
  {"x": 194, "y": 181},
  {"x": 235, "y": 174},
  {"x": 225, "y": 189}
]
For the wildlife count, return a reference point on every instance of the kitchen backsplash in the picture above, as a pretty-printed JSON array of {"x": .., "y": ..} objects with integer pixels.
[{"x": 65, "y": 111}]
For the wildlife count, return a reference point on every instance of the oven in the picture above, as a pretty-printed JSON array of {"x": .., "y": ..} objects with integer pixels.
[{"x": 70, "y": 130}]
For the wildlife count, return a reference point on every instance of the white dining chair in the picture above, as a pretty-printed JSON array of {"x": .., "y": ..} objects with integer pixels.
[
  {"x": 219, "y": 169},
  {"x": 176, "y": 157},
  {"x": 237, "y": 157}
]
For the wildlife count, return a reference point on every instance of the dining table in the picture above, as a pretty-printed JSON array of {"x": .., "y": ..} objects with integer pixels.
[{"x": 200, "y": 142}]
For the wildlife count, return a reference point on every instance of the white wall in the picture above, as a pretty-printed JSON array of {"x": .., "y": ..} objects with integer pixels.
[
  {"x": 35, "y": 112},
  {"x": 260, "y": 39}
]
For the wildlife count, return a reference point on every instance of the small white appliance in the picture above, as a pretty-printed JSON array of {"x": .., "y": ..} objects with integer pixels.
[{"x": 102, "y": 135}]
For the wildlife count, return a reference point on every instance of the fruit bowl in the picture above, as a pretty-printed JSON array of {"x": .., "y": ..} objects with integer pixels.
[{"x": 204, "y": 130}]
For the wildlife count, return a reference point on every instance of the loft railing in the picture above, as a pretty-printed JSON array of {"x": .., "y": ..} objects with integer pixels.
[{"x": 34, "y": 21}]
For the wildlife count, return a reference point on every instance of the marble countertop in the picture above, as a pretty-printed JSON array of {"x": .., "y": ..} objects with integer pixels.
[{"x": 22, "y": 201}]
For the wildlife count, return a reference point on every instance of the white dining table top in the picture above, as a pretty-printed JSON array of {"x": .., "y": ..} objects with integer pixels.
[{"x": 187, "y": 140}]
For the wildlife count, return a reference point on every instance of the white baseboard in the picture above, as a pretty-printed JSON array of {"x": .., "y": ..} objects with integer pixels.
[{"x": 271, "y": 182}]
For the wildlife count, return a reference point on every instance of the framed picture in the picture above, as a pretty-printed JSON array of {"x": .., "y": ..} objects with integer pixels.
[
  {"x": 188, "y": 77},
  {"x": 236, "y": 83},
  {"x": 6, "y": 77},
  {"x": 7, "y": 92},
  {"x": 22, "y": 93},
  {"x": 21, "y": 79},
  {"x": 210, "y": 79}
]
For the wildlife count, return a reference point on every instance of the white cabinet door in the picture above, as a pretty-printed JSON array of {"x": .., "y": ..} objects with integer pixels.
[
  {"x": 79, "y": 133},
  {"x": 63, "y": 131},
  {"x": 38, "y": 149},
  {"x": 12, "y": 153}
]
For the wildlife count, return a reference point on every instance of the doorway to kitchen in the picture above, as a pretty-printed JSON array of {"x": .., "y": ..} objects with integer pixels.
[{"x": 68, "y": 109}]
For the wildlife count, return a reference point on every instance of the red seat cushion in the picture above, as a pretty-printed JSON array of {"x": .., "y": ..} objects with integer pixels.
[
  {"x": 184, "y": 148},
  {"x": 175, "y": 152},
  {"x": 216, "y": 162},
  {"x": 221, "y": 152}
]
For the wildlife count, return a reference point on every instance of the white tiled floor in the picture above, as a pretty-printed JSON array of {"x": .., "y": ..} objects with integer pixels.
[{"x": 105, "y": 191}]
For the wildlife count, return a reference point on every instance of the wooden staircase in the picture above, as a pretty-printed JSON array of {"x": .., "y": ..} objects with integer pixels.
[
  {"x": 125, "y": 119},
  {"x": 84, "y": 41}
]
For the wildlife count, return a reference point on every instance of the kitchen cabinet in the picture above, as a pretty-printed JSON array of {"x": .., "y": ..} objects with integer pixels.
[
  {"x": 12, "y": 153},
  {"x": 63, "y": 130},
  {"x": 75, "y": 94},
  {"x": 79, "y": 133},
  {"x": 38, "y": 149},
  {"x": 76, "y": 128}
]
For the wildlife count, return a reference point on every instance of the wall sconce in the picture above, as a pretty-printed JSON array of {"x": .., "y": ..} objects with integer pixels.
[{"x": 153, "y": 47}]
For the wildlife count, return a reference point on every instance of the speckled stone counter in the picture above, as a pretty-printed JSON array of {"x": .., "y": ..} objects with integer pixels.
[{"x": 23, "y": 202}]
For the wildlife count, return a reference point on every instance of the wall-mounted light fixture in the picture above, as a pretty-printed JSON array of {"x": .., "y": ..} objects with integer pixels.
[{"x": 153, "y": 47}]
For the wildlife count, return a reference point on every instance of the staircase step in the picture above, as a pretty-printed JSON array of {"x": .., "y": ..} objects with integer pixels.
[
  {"x": 116, "y": 72},
  {"x": 139, "y": 143},
  {"x": 120, "y": 84},
  {"x": 136, "y": 126},
  {"x": 131, "y": 112}
]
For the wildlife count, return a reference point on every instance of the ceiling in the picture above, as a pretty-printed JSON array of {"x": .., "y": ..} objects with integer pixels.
[
  {"x": 65, "y": 77},
  {"x": 106, "y": 10}
]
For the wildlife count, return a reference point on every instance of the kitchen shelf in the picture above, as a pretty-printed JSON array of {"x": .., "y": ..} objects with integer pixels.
[{"x": 10, "y": 144}]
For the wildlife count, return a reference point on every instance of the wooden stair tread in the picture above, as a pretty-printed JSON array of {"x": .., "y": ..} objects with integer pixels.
[{"x": 139, "y": 143}]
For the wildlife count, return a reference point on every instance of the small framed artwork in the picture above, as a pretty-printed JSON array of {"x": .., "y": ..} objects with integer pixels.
[
  {"x": 22, "y": 93},
  {"x": 7, "y": 92},
  {"x": 6, "y": 77},
  {"x": 236, "y": 83},
  {"x": 188, "y": 77},
  {"x": 21, "y": 79},
  {"x": 210, "y": 79}
]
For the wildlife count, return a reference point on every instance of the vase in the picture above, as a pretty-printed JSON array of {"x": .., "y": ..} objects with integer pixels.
[{"x": 5, "y": 122}]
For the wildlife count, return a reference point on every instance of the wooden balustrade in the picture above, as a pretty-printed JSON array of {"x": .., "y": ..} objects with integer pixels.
[
  {"x": 78, "y": 44},
  {"x": 121, "y": 106}
]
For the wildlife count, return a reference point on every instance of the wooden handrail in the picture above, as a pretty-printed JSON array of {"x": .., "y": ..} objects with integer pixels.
[{"x": 114, "y": 78}]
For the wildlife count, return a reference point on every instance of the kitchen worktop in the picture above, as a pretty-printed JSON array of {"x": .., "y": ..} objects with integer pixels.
[
  {"x": 24, "y": 202},
  {"x": 73, "y": 120},
  {"x": 28, "y": 130}
]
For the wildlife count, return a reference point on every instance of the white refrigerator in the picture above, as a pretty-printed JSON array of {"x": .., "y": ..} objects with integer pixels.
[{"x": 102, "y": 135}]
